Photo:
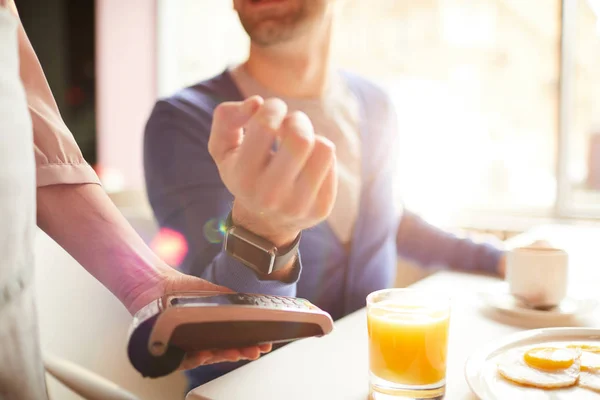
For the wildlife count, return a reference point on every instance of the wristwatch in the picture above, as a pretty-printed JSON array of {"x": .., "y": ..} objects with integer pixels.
[{"x": 256, "y": 252}]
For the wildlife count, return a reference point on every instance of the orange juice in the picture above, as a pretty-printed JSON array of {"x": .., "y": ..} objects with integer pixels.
[{"x": 408, "y": 343}]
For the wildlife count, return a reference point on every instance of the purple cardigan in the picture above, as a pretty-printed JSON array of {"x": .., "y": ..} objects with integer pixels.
[{"x": 187, "y": 195}]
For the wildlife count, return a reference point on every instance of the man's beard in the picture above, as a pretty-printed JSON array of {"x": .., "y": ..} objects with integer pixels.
[{"x": 277, "y": 29}]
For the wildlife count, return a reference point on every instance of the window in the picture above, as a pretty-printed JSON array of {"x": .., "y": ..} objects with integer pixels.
[
  {"x": 580, "y": 130},
  {"x": 498, "y": 104},
  {"x": 475, "y": 83}
]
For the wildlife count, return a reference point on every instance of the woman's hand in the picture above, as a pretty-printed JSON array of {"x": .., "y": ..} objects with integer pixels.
[{"x": 170, "y": 281}]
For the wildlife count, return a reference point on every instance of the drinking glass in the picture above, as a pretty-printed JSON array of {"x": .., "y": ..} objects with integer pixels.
[{"x": 408, "y": 343}]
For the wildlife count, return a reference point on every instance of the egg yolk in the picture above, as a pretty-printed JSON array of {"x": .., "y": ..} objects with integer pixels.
[
  {"x": 550, "y": 358},
  {"x": 585, "y": 347}
]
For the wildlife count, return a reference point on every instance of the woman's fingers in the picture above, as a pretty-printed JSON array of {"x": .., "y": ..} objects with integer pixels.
[{"x": 206, "y": 357}]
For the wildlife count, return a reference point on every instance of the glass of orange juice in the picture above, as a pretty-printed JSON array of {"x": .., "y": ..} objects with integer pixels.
[{"x": 408, "y": 343}]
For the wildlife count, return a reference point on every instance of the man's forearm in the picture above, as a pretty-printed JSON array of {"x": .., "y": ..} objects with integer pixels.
[
  {"x": 85, "y": 222},
  {"x": 430, "y": 246}
]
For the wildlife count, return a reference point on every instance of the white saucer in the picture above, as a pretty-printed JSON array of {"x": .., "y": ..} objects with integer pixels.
[{"x": 498, "y": 297}]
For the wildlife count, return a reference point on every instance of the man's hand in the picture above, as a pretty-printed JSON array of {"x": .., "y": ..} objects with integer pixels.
[
  {"x": 502, "y": 266},
  {"x": 170, "y": 281},
  {"x": 277, "y": 192}
]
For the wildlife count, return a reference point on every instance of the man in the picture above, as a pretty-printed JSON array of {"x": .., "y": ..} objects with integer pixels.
[
  {"x": 71, "y": 207},
  {"x": 259, "y": 162}
]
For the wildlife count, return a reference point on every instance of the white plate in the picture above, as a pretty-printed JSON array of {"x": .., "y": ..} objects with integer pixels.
[
  {"x": 484, "y": 381},
  {"x": 499, "y": 298}
]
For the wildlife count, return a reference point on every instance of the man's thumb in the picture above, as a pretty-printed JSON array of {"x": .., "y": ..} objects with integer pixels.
[{"x": 228, "y": 121}]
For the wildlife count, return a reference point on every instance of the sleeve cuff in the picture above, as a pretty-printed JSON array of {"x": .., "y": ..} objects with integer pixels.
[
  {"x": 236, "y": 276},
  {"x": 490, "y": 259},
  {"x": 56, "y": 174}
]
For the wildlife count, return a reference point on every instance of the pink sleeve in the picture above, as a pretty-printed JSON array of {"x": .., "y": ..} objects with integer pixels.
[{"x": 57, "y": 156}]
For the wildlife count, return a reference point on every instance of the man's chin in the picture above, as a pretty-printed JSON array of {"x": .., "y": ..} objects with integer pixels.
[
  {"x": 264, "y": 2},
  {"x": 270, "y": 33}
]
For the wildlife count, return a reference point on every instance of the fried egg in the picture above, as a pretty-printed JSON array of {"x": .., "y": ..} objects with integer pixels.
[
  {"x": 590, "y": 356},
  {"x": 543, "y": 367},
  {"x": 590, "y": 380},
  {"x": 590, "y": 361},
  {"x": 585, "y": 347},
  {"x": 589, "y": 377}
]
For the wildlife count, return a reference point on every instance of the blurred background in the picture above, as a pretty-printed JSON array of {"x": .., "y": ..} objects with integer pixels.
[
  {"x": 498, "y": 104},
  {"x": 498, "y": 101}
]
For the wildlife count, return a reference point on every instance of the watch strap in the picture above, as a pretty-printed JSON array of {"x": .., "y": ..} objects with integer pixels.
[{"x": 281, "y": 256}]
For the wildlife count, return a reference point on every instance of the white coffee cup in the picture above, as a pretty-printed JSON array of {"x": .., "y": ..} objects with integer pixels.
[{"x": 538, "y": 275}]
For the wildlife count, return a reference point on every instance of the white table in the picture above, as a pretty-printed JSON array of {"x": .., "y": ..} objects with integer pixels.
[{"x": 336, "y": 367}]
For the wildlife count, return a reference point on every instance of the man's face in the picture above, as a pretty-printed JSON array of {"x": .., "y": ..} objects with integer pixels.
[{"x": 270, "y": 22}]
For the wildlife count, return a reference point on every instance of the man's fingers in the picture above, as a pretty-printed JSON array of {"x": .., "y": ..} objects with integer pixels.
[
  {"x": 297, "y": 141},
  {"x": 318, "y": 166},
  {"x": 307, "y": 186},
  {"x": 228, "y": 120},
  {"x": 261, "y": 132},
  {"x": 325, "y": 199},
  {"x": 298, "y": 138}
]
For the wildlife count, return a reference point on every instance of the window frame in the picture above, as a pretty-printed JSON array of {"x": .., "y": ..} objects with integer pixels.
[{"x": 565, "y": 206}]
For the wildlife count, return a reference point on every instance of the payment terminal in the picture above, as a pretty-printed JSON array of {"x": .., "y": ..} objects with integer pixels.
[{"x": 164, "y": 330}]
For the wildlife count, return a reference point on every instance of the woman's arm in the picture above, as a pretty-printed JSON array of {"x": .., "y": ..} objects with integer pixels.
[{"x": 84, "y": 221}]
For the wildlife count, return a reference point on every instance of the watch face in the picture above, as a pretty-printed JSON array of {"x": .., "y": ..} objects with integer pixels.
[{"x": 250, "y": 249}]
